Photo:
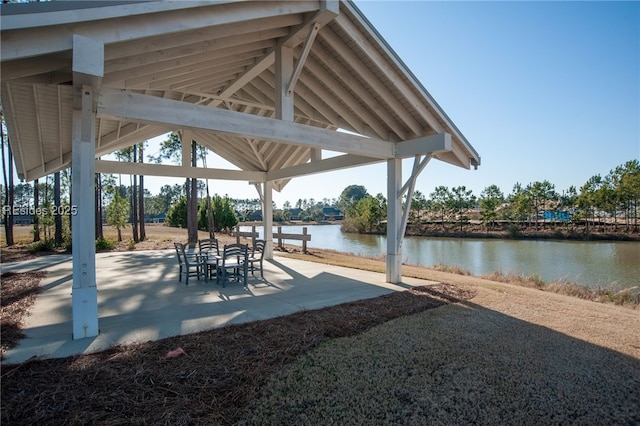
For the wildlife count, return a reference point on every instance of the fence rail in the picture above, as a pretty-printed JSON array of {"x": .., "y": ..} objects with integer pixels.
[{"x": 280, "y": 236}]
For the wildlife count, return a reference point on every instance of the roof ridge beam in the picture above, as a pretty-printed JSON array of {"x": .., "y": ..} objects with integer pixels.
[
  {"x": 70, "y": 13},
  {"x": 27, "y": 42}
]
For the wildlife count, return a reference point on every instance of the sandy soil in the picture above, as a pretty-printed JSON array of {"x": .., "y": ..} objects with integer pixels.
[{"x": 605, "y": 325}]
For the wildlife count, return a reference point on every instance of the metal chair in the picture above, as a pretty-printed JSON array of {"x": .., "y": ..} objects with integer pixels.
[
  {"x": 233, "y": 263},
  {"x": 189, "y": 261},
  {"x": 256, "y": 257}
]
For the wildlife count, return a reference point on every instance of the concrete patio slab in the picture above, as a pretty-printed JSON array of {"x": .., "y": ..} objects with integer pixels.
[{"x": 140, "y": 299}]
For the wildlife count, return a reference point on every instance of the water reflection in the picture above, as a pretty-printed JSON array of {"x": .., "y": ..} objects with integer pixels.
[{"x": 583, "y": 262}]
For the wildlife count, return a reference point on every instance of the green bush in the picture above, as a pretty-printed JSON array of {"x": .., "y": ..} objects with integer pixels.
[
  {"x": 43, "y": 245},
  {"x": 104, "y": 244},
  {"x": 513, "y": 230}
]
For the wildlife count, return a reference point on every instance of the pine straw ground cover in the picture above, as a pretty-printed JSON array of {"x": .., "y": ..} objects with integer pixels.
[
  {"x": 18, "y": 294},
  {"x": 222, "y": 372}
]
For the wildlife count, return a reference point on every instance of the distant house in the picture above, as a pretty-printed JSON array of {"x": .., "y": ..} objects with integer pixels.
[
  {"x": 23, "y": 219},
  {"x": 255, "y": 216},
  {"x": 563, "y": 216},
  {"x": 331, "y": 213},
  {"x": 295, "y": 213},
  {"x": 155, "y": 218}
]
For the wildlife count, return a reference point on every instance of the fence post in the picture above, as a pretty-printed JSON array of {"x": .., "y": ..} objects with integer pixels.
[
  {"x": 280, "y": 237},
  {"x": 253, "y": 235},
  {"x": 304, "y": 240},
  {"x": 238, "y": 234}
]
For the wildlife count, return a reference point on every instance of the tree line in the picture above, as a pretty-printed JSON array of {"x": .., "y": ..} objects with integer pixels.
[{"x": 610, "y": 201}]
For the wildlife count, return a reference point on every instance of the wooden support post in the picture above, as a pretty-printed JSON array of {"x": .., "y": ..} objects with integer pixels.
[
  {"x": 304, "y": 240},
  {"x": 280, "y": 238}
]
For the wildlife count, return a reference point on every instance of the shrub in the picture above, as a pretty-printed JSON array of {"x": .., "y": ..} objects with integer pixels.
[
  {"x": 104, "y": 244},
  {"x": 513, "y": 230},
  {"x": 455, "y": 269},
  {"x": 43, "y": 245},
  {"x": 519, "y": 278}
]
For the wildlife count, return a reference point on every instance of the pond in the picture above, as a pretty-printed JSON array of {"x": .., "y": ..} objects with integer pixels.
[{"x": 592, "y": 263}]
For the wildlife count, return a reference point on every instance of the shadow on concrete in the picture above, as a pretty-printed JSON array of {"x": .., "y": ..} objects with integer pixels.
[{"x": 141, "y": 299}]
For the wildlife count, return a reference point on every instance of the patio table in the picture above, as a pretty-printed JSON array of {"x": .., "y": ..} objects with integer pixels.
[{"x": 211, "y": 260}]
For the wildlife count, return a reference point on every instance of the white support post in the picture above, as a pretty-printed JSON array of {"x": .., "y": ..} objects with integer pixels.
[
  {"x": 88, "y": 60},
  {"x": 284, "y": 112},
  {"x": 394, "y": 239},
  {"x": 267, "y": 218},
  {"x": 284, "y": 72},
  {"x": 84, "y": 293},
  {"x": 185, "y": 144}
]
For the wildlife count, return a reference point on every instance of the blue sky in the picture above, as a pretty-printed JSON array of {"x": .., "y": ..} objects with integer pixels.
[{"x": 542, "y": 90}]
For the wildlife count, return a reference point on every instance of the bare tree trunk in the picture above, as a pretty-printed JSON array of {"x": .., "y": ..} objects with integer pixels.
[
  {"x": 8, "y": 190},
  {"x": 134, "y": 200},
  {"x": 143, "y": 232},
  {"x": 36, "y": 218},
  {"x": 210, "y": 223},
  {"x": 210, "y": 215},
  {"x": 192, "y": 206},
  {"x": 99, "y": 230},
  {"x": 58, "y": 203}
]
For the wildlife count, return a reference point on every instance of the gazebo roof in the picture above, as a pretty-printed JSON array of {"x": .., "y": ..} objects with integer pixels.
[{"x": 209, "y": 66}]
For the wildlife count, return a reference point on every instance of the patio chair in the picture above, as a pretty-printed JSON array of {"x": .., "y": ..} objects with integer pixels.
[
  {"x": 210, "y": 252},
  {"x": 256, "y": 257},
  {"x": 208, "y": 245},
  {"x": 191, "y": 264},
  {"x": 233, "y": 264}
]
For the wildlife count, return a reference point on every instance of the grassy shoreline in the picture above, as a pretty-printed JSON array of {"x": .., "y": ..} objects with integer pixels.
[{"x": 629, "y": 297}]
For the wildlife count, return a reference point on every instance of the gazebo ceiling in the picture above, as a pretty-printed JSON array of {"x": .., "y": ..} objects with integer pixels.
[{"x": 210, "y": 66}]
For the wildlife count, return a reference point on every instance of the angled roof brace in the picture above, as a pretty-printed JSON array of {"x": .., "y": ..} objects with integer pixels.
[
  {"x": 306, "y": 48},
  {"x": 419, "y": 163}
]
